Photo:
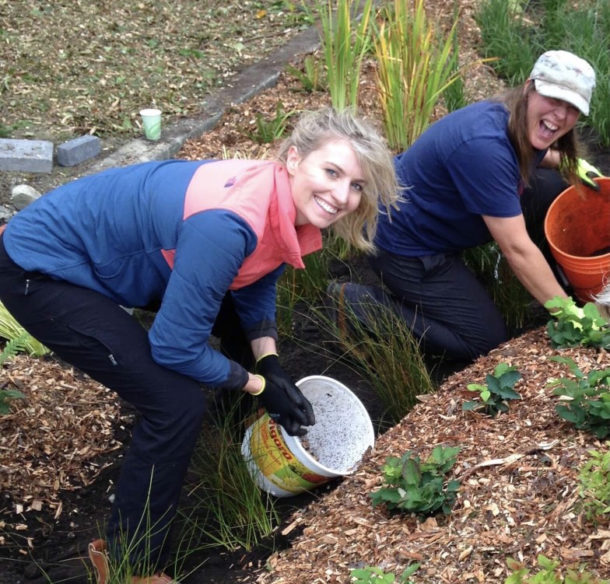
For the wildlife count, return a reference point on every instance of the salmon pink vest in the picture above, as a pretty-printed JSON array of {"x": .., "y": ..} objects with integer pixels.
[{"x": 259, "y": 192}]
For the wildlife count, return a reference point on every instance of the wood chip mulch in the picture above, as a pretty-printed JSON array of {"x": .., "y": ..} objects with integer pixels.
[
  {"x": 519, "y": 495},
  {"x": 52, "y": 440}
]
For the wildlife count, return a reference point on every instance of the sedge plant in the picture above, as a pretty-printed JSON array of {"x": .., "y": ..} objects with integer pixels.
[
  {"x": 227, "y": 509},
  {"x": 507, "y": 292},
  {"x": 311, "y": 76},
  {"x": 389, "y": 357},
  {"x": 132, "y": 557},
  {"x": 269, "y": 130},
  {"x": 376, "y": 344},
  {"x": 345, "y": 39},
  {"x": 308, "y": 285}
]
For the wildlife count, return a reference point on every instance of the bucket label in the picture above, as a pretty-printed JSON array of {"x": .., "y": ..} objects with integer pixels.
[{"x": 275, "y": 460}]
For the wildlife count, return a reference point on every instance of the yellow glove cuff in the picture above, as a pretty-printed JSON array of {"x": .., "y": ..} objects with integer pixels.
[
  {"x": 265, "y": 355},
  {"x": 262, "y": 388},
  {"x": 583, "y": 168}
]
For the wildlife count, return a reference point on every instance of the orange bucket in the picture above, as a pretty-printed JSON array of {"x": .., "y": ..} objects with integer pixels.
[{"x": 577, "y": 227}]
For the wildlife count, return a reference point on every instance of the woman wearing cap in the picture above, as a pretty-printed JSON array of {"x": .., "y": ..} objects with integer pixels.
[
  {"x": 207, "y": 241},
  {"x": 466, "y": 180}
]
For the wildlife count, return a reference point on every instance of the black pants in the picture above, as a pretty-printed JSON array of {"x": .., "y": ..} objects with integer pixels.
[
  {"x": 97, "y": 336},
  {"x": 441, "y": 300}
]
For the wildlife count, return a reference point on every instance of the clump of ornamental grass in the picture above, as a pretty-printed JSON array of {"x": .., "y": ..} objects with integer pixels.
[
  {"x": 381, "y": 349},
  {"x": 226, "y": 508},
  {"x": 416, "y": 65}
]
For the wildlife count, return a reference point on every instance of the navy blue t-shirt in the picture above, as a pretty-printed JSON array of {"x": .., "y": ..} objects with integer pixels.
[{"x": 463, "y": 166}]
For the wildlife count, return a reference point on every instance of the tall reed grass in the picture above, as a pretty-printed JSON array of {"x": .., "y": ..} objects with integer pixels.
[
  {"x": 415, "y": 66},
  {"x": 345, "y": 39},
  {"x": 383, "y": 352}
]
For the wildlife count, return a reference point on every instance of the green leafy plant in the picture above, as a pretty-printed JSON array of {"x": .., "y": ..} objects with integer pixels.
[
  {"x": 311, "y": 76},
  {"x": 344, "y": 45},
  {"x": 496, "y": 392},
  {"x": 548, "y": 574},
  {"x": 268, "y": 131},
  {"x": 11, "y": 329},
  {"x": 419, "y": 487},
  {"x": 594, "y": 479},
  {"x": 587, "y": 398},
  {"x": 572, "y": 326},
  {"x": 375, "y": 575}
]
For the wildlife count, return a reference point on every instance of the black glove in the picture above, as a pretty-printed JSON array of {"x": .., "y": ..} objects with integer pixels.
[{"x": 282, "y": 399}]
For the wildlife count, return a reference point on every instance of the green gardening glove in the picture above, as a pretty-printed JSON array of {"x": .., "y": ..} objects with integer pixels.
[{"x": 586, "y": 172}]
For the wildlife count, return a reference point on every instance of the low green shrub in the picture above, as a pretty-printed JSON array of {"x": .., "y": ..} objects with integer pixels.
[
  {"x": 587, "y": 398},
  {"x": 496, "y": 392},
  {"x": 419, "y": 487},
  {"x": 572, "y": 326}
]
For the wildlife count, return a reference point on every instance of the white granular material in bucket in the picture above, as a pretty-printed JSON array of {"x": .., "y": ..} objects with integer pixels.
[{"x": 343, "y": 430}]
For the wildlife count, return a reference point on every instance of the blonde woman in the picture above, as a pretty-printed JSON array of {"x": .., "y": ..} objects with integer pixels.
[{"x": 204, "y": 243}]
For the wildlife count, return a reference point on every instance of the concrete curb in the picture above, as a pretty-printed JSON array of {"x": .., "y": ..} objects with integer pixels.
[{"x": 247, "y": 84}]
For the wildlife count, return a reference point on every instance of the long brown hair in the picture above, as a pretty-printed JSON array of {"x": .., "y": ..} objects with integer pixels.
[{"x": 516, "y": 101}]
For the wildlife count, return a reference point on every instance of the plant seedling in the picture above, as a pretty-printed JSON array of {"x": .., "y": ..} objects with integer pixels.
[
  {"x": 269, "y": 130},
  {"x": 419, "y": 487},
  {"x": 587, "y": 398},
  {"x": 375, "y": 575},
  {"x": 572, "y": 326},
  {"x": 497, "y": 391},
  {"x": 548, "y": 574},
  {"x": 594, "y": 479},
  {"x": 5, "y": 396}
]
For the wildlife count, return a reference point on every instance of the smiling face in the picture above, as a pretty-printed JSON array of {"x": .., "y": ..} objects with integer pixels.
[
  {"x": 548, "y": 119},
  {"x": 327, "y": 184}
]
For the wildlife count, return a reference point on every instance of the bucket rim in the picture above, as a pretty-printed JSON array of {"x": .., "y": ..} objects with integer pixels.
[
  {"x": 571, "y": 188},
  {"x": 297, "y": 441}
]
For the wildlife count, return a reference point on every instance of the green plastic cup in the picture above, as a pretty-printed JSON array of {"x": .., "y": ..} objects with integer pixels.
[{"x": 151, "y": 122}]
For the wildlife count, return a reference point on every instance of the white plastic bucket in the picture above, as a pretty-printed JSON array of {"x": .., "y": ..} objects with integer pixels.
[{"x": 343, "y": 432}]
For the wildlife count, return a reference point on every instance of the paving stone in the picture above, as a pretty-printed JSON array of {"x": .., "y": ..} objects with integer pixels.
[
  {"x": 78, "y": 150},
  {"x": 26, "y": 155}
]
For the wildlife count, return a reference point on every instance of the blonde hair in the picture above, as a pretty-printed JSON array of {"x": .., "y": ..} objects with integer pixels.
[{"x": 381, "y": 189}]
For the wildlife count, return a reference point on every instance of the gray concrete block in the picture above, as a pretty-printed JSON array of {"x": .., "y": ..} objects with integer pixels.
[
  {"x": 78, "y": 150},
  {"x": 26, "y": 155}
]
